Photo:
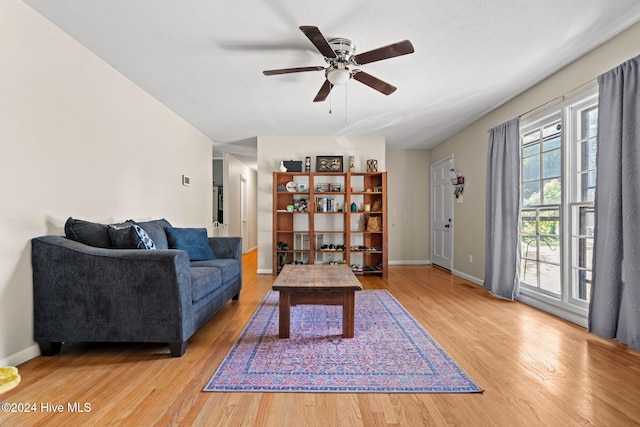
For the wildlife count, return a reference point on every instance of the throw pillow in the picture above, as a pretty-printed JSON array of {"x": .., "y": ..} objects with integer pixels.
[
  {"x": 130, "y": 236},
  {"x": 194, "y": 241},
  {"x": 147, "y": 242},
  {"x": 89, "y": 233},
  {"x": 155, "y": 230}
]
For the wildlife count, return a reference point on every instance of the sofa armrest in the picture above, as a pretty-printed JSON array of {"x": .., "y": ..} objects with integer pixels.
[
  {"x": 84, "y": 293},
  {"x": 227, "y": 247}
]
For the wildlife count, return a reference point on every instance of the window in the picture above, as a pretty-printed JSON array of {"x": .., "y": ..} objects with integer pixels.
[
  {"x": 558, "y": 177},
  {"x": 582, "y": 198},
  {"x": 541, "y": 202}
]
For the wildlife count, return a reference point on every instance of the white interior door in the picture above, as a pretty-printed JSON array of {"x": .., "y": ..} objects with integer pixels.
[
  {"x": 244, "y": 211},
  {"x": 441, "y": 214}
]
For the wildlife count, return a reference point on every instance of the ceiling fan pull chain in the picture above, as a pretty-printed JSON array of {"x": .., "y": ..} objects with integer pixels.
[{"x": 329, "y": 102}]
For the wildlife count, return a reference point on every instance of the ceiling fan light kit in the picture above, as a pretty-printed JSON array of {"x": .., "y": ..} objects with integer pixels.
[
  {"x": 338, "y": 77},
  {"x": 339, "y": 53}
]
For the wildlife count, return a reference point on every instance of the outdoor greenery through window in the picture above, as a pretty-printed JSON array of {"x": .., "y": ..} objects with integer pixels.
[
  {"x": 558, "y": 178},
  {"x": 541, "y": 202}
]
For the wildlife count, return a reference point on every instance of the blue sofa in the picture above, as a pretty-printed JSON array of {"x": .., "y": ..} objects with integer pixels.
[{"x": 130, "y": 282}]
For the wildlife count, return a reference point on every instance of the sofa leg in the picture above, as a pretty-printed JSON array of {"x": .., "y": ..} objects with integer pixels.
[
  {"x": 177, "y": 348},
  {"x": 236, "y": 297},
  {"x": 49, "y": 348}
]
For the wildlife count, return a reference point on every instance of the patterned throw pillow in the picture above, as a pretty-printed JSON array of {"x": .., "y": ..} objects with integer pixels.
[
  {"x": 155, "y": 230},
  {"x": 130, "y": 236},
  {"x": 144, "y": 237}
]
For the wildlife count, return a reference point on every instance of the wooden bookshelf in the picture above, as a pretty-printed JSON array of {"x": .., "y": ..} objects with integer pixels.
[{"x": 313, "y": 220}]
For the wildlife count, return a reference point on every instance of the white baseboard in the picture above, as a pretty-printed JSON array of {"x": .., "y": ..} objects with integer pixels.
[
  {"x": 468, "y": 277},
  {"x": 265, "y": 271},
  {"x": 410, "y": 262},
  {"x": 21, "y": 356}
]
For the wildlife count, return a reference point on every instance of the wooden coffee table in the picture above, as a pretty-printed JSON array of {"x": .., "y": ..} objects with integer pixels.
[{"x": 319, "y": 285}]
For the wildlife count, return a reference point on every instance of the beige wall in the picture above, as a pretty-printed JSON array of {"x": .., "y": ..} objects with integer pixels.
[
  {"x": 469, "y": 146},
  {"x": 78, "y": 139},
  {"x": 273, "y": 149},
  {"x": 409, "y": 206}
]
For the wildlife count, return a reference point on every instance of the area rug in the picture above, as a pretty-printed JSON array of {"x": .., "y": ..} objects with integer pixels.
[{"x": 390, "y": 353}]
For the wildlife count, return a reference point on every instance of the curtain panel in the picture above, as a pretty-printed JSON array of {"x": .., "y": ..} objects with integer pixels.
[
  {"x": 503, "y": 210},
  {"x": 614, "y": 311}
]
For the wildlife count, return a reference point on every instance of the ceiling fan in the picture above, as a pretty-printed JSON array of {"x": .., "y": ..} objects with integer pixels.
[{"x": 339, "y": 53}]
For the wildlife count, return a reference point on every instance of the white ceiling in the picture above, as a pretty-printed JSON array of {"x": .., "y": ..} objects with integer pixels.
[{"x": 204, "y": 59}]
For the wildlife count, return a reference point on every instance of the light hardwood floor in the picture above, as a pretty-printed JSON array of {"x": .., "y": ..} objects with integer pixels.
[{"x": 536, "y": 370}]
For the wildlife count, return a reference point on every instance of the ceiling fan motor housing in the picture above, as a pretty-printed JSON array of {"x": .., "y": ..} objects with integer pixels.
[{"x": 344, "y": 49}]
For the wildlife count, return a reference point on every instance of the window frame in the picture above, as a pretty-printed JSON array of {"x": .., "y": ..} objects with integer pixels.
[
  {"x": 540, "y": 122},
  {"x": 566, "y": 305},
  {"x": 573, "y": 201}
]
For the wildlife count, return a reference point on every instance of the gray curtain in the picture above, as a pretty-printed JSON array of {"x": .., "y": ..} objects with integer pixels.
[
  {"x": 614, "y": 311},
  {"x": 503, "y": 210}
]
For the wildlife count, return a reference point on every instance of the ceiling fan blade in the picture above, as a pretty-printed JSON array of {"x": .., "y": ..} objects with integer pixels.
[
  {"x": 291, "y": 70},
  {"x": 374, "y": 82},
  {"x": 324, "y": 91},
  {"x": 318, "y": 40},
  {"x": 391, "y": 51}
]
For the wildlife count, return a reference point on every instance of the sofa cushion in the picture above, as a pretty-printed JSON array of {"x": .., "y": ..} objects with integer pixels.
[
  {"x": 155, "y": 230},
  {"x": 204, "y": 280},
  {"x": 89, "y": 233},
  {"x": 230, "y": 268},
  {"x": 194, "y": 241},
  {"x": 130, "y": 236}
]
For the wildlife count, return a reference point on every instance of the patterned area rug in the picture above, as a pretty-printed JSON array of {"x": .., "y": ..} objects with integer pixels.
[{"x": 390, "y": 353}]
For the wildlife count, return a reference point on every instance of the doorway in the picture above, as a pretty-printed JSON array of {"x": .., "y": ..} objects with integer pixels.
[
  {"x": 218, "y": 194},
  {"x": 442, "y": 213}
]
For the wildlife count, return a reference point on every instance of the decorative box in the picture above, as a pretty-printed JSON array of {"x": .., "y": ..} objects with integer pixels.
[{"x": 293, "y": 165}]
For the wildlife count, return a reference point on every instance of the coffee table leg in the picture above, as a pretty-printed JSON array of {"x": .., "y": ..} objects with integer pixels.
[
  {"x": 348, "y": 318},
  {"x": 284, "y": 304}
]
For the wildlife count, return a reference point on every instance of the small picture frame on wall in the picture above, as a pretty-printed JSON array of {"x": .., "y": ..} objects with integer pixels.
[{"x": 328, "y": 163}]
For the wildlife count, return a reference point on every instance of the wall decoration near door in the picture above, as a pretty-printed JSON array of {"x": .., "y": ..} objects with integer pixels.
[{"x": 329, "y": 164}]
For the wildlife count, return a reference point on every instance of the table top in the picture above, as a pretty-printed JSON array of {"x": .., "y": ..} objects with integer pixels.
[{"x": 316, "y": 276}]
